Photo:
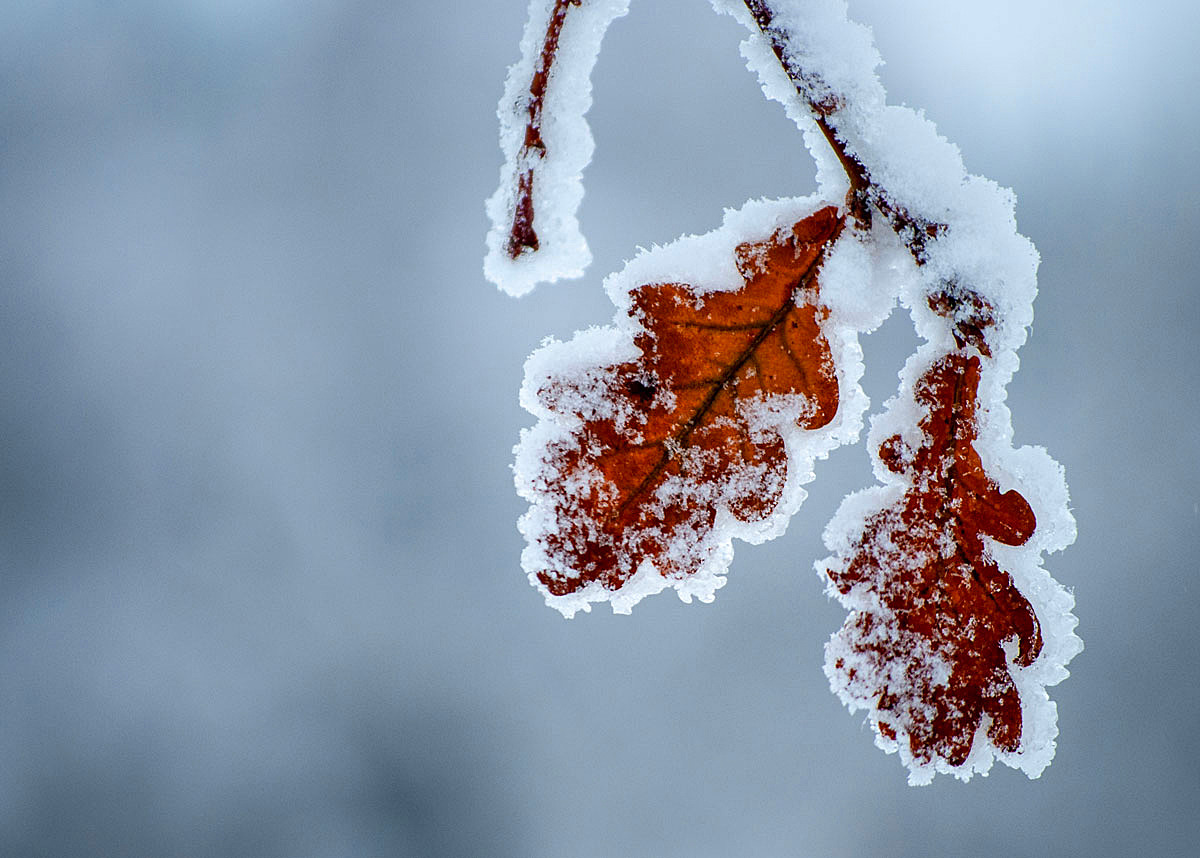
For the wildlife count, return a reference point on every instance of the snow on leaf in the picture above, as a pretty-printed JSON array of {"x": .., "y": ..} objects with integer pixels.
[
  {"x": 974, "y": 291},
  {"x": 926, "y": 641},
  {"x": 697, "y": 416},
  {"x": 657, "y": 452}
]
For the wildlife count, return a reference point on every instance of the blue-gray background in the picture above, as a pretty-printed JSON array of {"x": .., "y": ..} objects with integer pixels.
[{"x": 260, "y": 592}]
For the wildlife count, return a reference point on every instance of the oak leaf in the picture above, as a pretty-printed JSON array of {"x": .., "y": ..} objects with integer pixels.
[
  {"x": 928, "y": 647},
  {"x": 665, "y": 446}
]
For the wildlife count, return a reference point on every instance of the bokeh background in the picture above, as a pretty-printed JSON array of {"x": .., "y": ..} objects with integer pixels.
[{"x": 259, "y": 581}]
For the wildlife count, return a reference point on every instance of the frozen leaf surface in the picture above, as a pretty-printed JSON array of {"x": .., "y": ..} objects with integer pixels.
[
  {"x": 733, "y": 364},
  {"x": 928, "y": 646},
  {"x": 956, "y": 629},
  {"x": 659, "y": 458}
]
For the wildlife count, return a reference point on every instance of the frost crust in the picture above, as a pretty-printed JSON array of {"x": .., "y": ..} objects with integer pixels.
[
  {"x": 977, "y": 248},
  {"x": 558, "y": 181},
  {"x": 581, "y": 364},
  {"x": 954, "y": 260}
]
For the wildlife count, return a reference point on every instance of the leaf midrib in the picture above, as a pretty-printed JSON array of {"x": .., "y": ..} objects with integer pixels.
[{"x": 681, "y": 438}]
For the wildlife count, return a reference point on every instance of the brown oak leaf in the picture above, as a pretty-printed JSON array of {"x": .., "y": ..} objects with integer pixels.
[
  {"x": 927, "y": 648},
  {"x": 664, "y": 445}
]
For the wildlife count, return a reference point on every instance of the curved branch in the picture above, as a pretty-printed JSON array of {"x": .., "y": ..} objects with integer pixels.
[
  {"x": 864, "y": 193},
  {"x": 522, "y": 236}
]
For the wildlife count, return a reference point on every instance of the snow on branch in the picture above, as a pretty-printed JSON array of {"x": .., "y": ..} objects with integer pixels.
[
  {"x": 952, "y": 669},
  {"x": 546, "y": 141},
  {"x": 732, "y": 366}
]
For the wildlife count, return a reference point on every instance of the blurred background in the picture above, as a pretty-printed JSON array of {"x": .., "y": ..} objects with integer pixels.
[{"x": 260, "y": 591}]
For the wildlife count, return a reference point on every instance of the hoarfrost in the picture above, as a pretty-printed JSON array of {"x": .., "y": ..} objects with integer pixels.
[
  {"x": 941, "y": 242},
  {"x": 973, "y": 289},
  {"x": 568, "y": 383},
  {"x": 546, "y": 144}
]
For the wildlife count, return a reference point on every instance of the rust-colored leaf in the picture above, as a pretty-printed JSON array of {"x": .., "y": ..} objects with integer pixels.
[
  {"x": 931, "y": 653},
  {"x": 681, "y": 436}
]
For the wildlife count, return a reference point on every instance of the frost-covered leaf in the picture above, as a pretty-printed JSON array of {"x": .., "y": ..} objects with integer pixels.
[
  {"x": 927, "y": 650},
  {"x": 935, "y": 617},
  {"x": 733, "y": 364},
  {"x": 647, "y": 465}
]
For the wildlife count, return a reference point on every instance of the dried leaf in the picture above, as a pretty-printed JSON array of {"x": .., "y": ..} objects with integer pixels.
[
  {"x": 926, "y": 651},
  {"x": 665, "y": 445}
]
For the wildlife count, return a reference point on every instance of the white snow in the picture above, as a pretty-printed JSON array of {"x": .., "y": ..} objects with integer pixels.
[
  {"x": 558, "y": 185},
  {"x": 918, "y": 173},
  {"x": 706, "y": 263}
]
